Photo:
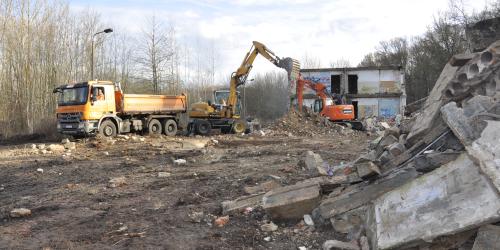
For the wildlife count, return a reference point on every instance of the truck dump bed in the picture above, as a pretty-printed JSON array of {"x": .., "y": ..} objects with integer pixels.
[{"x": 151, "y": 104}]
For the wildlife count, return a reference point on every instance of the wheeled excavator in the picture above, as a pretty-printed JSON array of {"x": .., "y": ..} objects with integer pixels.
[
  {"x": 337, "y": 113},
  {"x": 205, "y": 116}
]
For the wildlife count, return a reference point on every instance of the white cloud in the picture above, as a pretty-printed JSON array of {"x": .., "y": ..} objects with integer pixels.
[{"x": 328, "y": 29}]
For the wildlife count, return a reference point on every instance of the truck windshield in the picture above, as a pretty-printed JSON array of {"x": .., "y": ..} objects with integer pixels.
[{"x": 73, "y": 96}]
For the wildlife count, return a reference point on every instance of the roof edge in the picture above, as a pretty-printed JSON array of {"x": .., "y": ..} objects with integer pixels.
[{"x": 385, "y": 67}]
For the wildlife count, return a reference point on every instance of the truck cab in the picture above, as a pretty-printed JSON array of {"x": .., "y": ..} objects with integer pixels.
[{"x": 82, "y": 106}]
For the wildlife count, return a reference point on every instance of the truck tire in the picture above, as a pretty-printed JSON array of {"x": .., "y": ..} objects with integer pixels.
[
  {"x": 107, "y": 129},
  {"x": 202, "y": 127},
  {"x": 170, "y": 127},
  {"x": 239, "y": 127},
  {"x": 154, "y": 127}
]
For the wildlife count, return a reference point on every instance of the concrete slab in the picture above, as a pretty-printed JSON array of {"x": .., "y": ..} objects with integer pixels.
[
  {"x": 488, "y": 237},
  {"x": 337, "y": 205},
  {"x": 292, "y": 202},
  {"x": 241, "y": 203},
  {"x": 451, "y": 199},
  {"x": 458, "y": 123},
  {"x": 461, "y": 59},
  {"x": 314, "y": 164},
  {"x": 430, "y": 113},
  {"x": 485, "y": 151}
]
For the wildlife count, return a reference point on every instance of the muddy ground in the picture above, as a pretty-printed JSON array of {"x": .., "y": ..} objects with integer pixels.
[{"x": 74, "y": 206}]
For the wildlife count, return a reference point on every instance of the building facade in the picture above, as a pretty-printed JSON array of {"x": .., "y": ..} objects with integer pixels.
[{"x": 374, "y": 91}]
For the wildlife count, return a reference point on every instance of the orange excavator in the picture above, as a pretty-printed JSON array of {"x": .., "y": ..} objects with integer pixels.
[{"x": 342, "y": 113}]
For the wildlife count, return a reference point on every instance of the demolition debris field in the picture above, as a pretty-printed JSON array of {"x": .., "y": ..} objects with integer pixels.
[{"x": 129, "y": 193}]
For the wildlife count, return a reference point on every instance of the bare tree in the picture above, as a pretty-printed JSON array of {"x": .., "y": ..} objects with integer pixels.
[
  {"x": 310, "y": 62},
  {"x": 340, "y": 63},
  {"x": 155, "y": 51}
]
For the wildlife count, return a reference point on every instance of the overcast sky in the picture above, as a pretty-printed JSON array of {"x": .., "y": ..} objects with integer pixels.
[{"x": 327, "y": 29}]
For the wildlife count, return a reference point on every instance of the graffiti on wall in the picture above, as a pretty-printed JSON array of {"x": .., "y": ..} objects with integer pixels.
[
  {"x": 366, "y": 111},
  {"x": 321, "y": 78},
  {"x": 388, "y": 108}
]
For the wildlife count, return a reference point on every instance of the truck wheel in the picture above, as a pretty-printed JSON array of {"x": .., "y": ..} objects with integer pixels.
[
  {"x": 170, "y": 127},
  {"x": 203, "y": 127},
  {"x": 107, "y": 129},
  {"x": 154, "y": 127},
  {"x": 239, "y": 127}
]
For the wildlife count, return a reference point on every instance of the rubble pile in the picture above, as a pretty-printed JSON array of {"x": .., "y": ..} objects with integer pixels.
[
  {"x": 433, "y": 183},
  {"x": 306, "y": 123}
]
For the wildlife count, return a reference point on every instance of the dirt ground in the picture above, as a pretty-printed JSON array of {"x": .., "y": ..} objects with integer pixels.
[{"x": 74, "y": 206}]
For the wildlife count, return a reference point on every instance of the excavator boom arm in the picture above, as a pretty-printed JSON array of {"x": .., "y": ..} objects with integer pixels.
[
  {"x": 319, "y": 88},
  {"x": 239, "y": 77}
]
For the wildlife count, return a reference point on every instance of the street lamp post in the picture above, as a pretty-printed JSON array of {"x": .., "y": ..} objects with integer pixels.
[{"x": 108, "y": 30}]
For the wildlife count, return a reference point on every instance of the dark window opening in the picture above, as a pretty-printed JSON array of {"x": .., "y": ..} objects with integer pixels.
[
  {"x": 335, "y": 85},
  {"x": 355, "y": 104},
  {"x": 352, "y": 82}
]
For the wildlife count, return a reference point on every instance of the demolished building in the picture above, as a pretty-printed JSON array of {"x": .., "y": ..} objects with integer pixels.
[{"x": 373, "y": 91}]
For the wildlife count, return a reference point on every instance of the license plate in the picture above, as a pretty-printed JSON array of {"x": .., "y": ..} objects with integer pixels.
[{"x": 68, "y": 126}]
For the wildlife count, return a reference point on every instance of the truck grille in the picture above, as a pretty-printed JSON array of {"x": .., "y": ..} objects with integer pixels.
[{"x": 69, "y": 117}]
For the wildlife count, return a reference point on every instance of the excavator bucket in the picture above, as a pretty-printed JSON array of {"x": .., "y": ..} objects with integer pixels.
[{"x": 291, "y": 66}]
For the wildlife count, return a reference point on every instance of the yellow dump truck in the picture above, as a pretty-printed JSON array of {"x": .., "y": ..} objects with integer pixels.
[{"x": 101, "y": 107}]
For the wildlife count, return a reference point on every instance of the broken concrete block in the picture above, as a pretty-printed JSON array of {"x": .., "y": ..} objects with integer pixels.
[
  {"x": 269, "y": 227},
  {"x": 55, "y": 148},
  {"x": 242, "y": 203},
  {"x": 485, "y": 151},
  {"x": 461, "y": 59},
  {"x": 477, "y": 104},
  {"x": 337, "y": 205},
  {"x": 384, "y": 157},
  {"x": 262, "y": 188},
  {"x": 458, "y": 241},
  {"x": 439, "y": 130},
  {"x": 429, "y": 118},
  {"x": 392, "y": 131},
  {"x": 335, "y": 244},
  {"x": 70, "y": 145},
  {"x": 488, "y": 237},
  {"x": 364, "y": 243},
  {"x": 396, "y": 149},
  {"x": 314, "y": 164},
  {"x": 349, "y": 222},
  {"x": 457, "y": 122},
  {"x": 387, "y": 140},
  {"x": 292, "y": 202},
  {"x": 402, "y": 139},
  {"x": 367, "y": 169},
  {"x": 448, "y": 200},
  {"x": 328, "y": 184},
  {"x": 375, "y": 142},
  {"x": 385, "y": 125},
  {"x": 20, "y": 212},
  {"x": 428, "y": 162}
]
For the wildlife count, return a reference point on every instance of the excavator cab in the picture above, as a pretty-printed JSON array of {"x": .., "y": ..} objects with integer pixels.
[
  {"x": 220, "y": 99},
  {"x": 318, "y": 105}
]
